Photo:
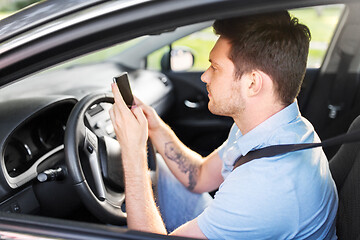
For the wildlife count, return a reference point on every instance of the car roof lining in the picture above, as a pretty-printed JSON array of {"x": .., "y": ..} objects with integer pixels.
[{"x": 39, "y": 14}]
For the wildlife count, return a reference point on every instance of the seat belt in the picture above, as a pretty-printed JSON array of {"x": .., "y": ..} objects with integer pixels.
[{"x": 275, "y": 150}]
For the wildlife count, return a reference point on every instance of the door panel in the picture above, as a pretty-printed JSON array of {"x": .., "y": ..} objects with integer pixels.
[
  {"x": 190, "y": 118},
  {"x": 308, "y": 83}
]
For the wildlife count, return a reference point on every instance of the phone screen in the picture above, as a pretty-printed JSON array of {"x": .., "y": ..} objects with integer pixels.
[{"x": 123, "y": 84}]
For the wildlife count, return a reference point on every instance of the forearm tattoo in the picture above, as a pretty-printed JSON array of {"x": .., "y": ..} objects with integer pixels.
[{"x": 185, "y": 165}]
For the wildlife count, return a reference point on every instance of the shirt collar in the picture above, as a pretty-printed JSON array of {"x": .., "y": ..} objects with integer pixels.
[{"x": 258, "y": 136}]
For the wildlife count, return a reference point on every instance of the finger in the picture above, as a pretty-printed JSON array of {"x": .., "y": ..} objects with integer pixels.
[
  {"x": 147, "y": 109},
  {"x": 112, "y": 118},
  {"x": 115, "y": 113},
  {"x": 111, "y": 113},
  {"x": 138, "y": 101}
]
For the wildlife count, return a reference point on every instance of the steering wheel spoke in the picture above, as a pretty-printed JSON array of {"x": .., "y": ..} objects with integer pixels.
[{"x": 91, "y": 150}]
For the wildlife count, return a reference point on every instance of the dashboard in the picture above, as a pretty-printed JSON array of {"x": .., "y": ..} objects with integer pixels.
[
  {"x": 34, "y": 141},
  {"x": 33, "y": 125}
]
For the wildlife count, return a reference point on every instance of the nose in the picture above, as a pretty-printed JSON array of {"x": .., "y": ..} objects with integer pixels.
[{"x": 204, "y": 77}]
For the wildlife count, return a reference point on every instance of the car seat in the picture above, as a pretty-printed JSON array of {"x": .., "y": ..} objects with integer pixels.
[{"x": 345, "y": 169}]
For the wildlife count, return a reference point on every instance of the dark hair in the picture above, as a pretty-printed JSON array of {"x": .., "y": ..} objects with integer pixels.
[{"x": 274, "y": 43}]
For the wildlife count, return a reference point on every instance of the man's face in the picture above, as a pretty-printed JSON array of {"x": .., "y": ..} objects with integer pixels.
[{"x": 225, "y": 91}]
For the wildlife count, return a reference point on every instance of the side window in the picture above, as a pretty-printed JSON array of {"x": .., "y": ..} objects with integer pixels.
[
  {"x": 153, "y": 61},
  {"x": 199, "y": 44},
  {"x": 321, "y": 20}
]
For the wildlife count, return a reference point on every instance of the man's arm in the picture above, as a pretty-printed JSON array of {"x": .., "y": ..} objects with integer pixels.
[
  {"x": 190, "y": 229},
  {"x": 142, "y": 213},
  {"x": 196, "y": 173},
  {"x": 140, "y": 205}
]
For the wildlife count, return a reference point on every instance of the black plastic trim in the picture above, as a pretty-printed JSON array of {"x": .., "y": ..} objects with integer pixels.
[{"x": 55, "y": 228}]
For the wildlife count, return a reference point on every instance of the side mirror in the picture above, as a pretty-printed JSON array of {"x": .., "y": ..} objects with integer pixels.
[{"x": 179, "y": 59}]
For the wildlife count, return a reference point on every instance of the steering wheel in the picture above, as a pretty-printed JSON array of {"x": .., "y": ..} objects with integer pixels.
[{"x": 94, "y": 164}]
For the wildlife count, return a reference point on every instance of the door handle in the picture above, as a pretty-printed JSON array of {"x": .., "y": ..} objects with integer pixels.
[{"x": 193, "y": 105}]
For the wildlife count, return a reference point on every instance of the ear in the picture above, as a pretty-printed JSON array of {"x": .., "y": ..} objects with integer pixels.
[{"x": 255, "y": 83}]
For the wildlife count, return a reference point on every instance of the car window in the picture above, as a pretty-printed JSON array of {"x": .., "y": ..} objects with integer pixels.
[
  {"x": 102, "y": 55},
  {"x": 199, "y": 43},
  {"x": 322, "y": 21}
]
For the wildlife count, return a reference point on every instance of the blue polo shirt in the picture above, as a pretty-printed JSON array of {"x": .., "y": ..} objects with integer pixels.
[{"x": 291, "y": 196}]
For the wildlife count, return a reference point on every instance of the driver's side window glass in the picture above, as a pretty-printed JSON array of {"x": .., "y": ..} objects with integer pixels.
[{"x": 199, "y": 44}]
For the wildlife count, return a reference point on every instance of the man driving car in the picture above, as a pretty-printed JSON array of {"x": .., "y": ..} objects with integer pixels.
[{"x": 257, "y": 67}]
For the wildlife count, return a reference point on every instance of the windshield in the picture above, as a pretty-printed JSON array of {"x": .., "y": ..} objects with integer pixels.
[{"x": 102, "y": 55}]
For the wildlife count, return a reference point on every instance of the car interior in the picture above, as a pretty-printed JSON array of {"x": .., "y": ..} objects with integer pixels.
[{"x": 40, "y": 114}]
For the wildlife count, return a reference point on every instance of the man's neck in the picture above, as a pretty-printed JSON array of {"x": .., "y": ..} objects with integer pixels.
[{"x": 253, "y": 116}]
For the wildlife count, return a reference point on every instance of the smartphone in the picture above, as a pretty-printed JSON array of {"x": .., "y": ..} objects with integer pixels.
[{"x": 122, "y": 82}]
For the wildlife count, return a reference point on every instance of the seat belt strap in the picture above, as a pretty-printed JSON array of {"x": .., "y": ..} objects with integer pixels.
[{"x": 275, "y": 150}]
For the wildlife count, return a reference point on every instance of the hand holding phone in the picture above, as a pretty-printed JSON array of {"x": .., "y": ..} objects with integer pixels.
[{"x": 123, "y": 84}]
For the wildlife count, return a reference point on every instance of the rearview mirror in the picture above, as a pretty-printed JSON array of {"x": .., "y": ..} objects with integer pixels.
[{"x": 180, "y": 59}]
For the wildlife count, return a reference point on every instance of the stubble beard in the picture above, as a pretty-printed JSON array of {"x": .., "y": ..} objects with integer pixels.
[{"x": 230, "y": 107}]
